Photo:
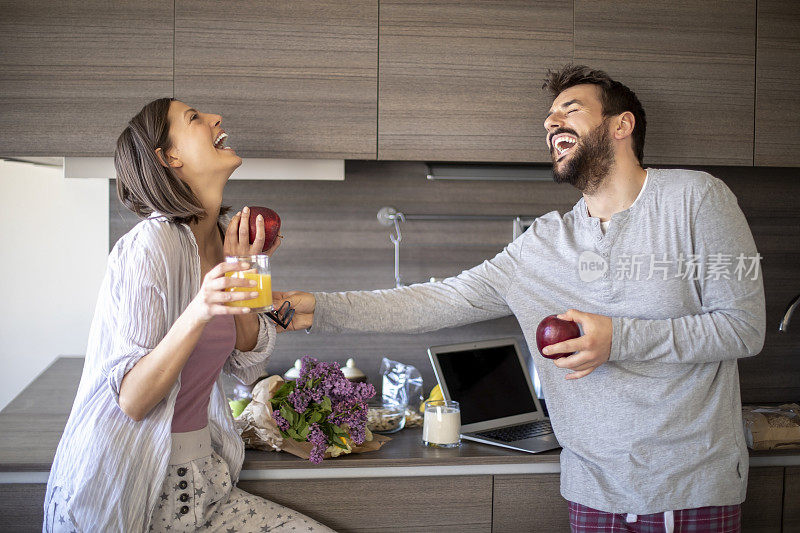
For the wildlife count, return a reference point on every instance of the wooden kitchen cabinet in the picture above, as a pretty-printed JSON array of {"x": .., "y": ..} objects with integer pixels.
[
  {"x": 761, "y": 511},
  {"x": 691, "y": 63},
  {"x": 464, "y": 503},
  {"x": 777, "y": 140},
  {"x": 535, "y": 501},
  {"x": 73, "y": 73},
  {"x": 22, "y": 507},
  {"x": 461, "y": 80},
  {"x": 448, "y": 80},
  {"x": 290, "y": 79},
  {"x": 791, "y": 499},
  {"x": 457, "y": 504}
]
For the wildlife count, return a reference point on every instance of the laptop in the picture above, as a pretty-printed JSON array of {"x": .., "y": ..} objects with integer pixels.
[{"x": 490, "y": 381}]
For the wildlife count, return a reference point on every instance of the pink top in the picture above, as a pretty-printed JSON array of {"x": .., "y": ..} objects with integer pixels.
[{"x": 201, "y": 372}]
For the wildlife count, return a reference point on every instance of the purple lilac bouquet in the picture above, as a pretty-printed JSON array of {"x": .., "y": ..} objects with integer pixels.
[{"x": 322, "y": 407}]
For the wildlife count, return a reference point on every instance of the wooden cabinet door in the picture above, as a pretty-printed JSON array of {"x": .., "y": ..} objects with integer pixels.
[
  {"x": 73, "y": 73},
  {"x": 761, "y": 510},
  {"x": 791, "y": 500},
  {"x": 461, "y": 80},
  {"x": 529, "y": 502},
  {"x": 22, "y": 506},
  {"x": 290, "y": 79},
  {"x": 692, "y": 65},
  {"x": 777, "y": 81},
  {"x": 457, "y": 504}
]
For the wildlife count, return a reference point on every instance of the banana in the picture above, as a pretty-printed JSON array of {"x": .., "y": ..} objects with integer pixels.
[{"x": 436, "y": 394}]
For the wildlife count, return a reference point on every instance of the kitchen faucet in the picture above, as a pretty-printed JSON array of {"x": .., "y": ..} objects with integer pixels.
[{"x": 788, "y": 315}]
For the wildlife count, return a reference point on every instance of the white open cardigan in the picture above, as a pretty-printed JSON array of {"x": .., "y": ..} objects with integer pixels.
[{"x": 111, "y": 466}]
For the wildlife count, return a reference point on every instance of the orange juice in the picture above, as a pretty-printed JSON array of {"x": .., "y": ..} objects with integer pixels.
[{"x": 263, "y": 286}]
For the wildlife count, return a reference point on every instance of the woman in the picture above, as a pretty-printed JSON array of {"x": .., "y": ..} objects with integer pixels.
[{"x": 150, "y": 443}]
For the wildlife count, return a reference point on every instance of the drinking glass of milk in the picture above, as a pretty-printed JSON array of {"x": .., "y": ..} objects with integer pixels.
[{"x": 442, "y": 425}]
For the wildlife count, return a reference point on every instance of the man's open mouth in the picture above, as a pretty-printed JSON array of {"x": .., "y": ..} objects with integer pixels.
[{"x": 563, "y": 143}]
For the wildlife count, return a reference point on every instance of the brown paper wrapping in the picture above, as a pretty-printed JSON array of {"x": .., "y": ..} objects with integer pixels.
[
  {"x": 260, "y": 432},
  {"x": 772, "y": 428}
]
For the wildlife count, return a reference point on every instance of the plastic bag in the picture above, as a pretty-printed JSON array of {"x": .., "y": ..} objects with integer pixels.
[{"x": 403, "y": 384}]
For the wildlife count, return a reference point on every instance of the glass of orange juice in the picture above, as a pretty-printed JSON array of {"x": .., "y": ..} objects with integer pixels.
[{"x": 260, "y": 273}]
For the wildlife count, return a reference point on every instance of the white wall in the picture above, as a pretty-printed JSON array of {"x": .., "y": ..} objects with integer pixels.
[{"x": 54, "y": 243}]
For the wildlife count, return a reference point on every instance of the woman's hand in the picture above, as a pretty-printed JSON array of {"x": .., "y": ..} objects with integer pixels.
[
  {"x": 214, "y": 294},
  {"x": 303, "y": 303},
  {"x": 237, "y": 236}
]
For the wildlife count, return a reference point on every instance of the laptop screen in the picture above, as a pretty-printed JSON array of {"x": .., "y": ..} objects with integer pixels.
[{"x": 488, "y": 383}]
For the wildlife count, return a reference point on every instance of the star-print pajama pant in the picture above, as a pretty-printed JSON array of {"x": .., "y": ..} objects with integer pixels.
[{"x": 197, "y": 494}]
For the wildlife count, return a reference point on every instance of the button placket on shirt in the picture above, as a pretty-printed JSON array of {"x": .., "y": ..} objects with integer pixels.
[
  {"x": 603, "y": 248},
  {"x": 616, "y": 286}
]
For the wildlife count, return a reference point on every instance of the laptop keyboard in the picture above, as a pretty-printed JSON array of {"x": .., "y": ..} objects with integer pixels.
[{"x": 514, "y": 433}]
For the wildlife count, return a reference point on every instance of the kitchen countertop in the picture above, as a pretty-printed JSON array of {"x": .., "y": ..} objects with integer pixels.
[{"x": 32, "y": 424}]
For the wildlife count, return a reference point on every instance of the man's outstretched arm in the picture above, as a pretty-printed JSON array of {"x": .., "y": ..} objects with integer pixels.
[{"x": 474, "y": 295}]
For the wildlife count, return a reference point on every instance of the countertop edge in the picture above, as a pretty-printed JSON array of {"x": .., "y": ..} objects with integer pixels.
[{"x": 40, "y": 476}]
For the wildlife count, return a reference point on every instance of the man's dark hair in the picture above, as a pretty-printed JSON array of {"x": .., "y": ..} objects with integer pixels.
[{"x": 615, "y": 97}]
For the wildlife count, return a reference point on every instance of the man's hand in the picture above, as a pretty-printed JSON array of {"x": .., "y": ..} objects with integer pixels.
[
  {"x": 303, "y": 303},
  {"x": 593, "y": 348}
]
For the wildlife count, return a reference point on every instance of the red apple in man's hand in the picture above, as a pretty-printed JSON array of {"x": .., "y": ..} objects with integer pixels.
[
  {"x": 553, "y": 330},
  {"x": 272, "y": 225}
]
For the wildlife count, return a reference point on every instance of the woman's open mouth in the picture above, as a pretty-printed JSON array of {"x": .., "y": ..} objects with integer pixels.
[{"x": 219, "y": 141}]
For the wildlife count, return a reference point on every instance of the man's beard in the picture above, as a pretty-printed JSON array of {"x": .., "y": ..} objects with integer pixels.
[{"x": 590, "y": 162}]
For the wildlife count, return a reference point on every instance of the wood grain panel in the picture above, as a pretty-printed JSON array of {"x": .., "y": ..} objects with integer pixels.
[
  {"x": 290, "y": 79},
  {"x": 21, "y": 507},
  {"x": 691, "y": 63},
  {"x": 769, "y": 200},
  {"x": 456, "y": 504},
  {"x": 761, "y": 510},
  {"x": 529, "y": 503},
  {"x": 777, "y": 141},
  {"x": 791, "y": 500},
  {"x": 73, "y": 73},
  {"x": 461, "y": 79}
]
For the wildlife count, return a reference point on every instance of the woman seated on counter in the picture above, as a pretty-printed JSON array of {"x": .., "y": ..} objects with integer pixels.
[{"x": 150, "y": 443}]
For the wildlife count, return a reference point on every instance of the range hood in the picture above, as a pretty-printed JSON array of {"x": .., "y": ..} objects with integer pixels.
[
  {"x": 250, "y": 169},
  {"x": 489, "y": 172}
]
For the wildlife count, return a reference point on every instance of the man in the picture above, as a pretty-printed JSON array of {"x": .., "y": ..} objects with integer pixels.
[{"x": 660, "y": 270}]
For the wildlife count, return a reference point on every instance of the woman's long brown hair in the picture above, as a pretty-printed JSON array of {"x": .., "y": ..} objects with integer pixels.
[{"x": 144, "y": 185}]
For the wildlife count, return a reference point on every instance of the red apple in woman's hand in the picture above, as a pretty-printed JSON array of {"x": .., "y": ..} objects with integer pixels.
[
  {"x": 272, "y": 225},
  {"x": 553, "y": 330}
]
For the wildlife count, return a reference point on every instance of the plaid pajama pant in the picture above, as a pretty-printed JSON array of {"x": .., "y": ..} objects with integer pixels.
[{"x": 723, "y": 519}]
